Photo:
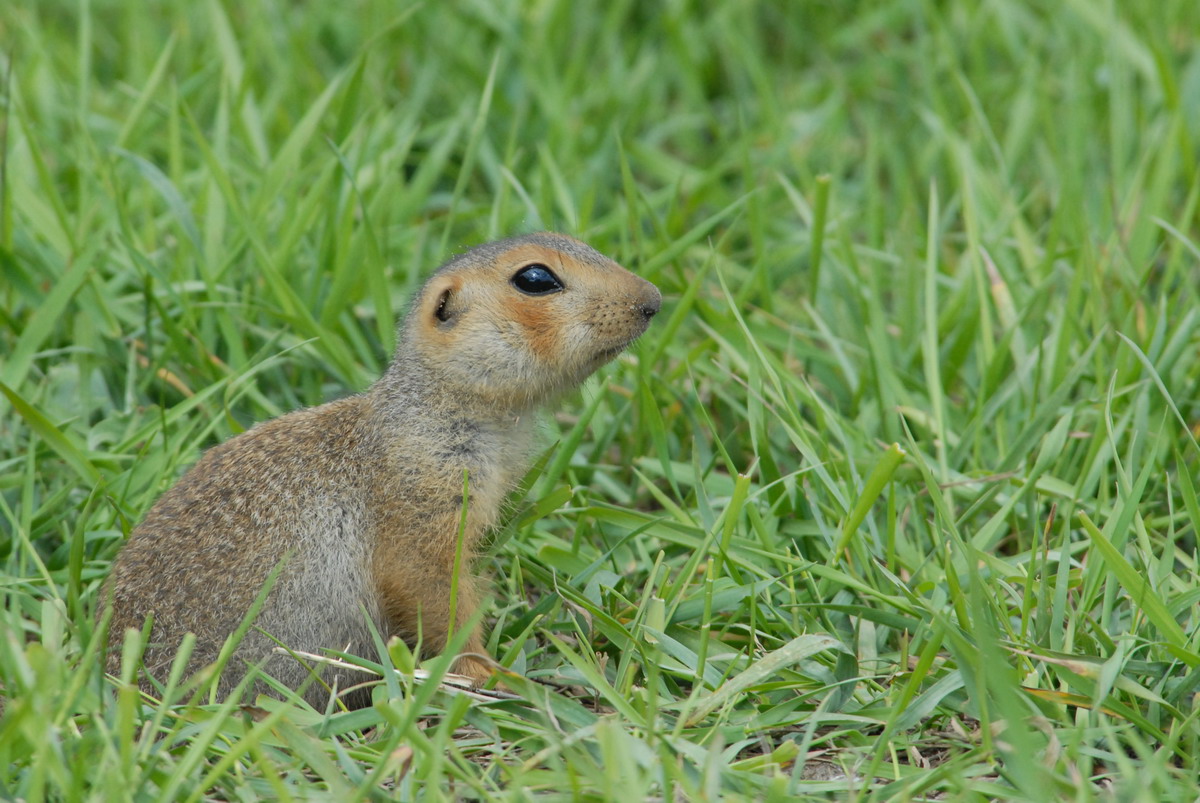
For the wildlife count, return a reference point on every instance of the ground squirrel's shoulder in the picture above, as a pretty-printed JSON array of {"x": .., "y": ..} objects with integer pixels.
[
  {"x": 305, "y": 457},
  {"x": 334, "y": 430}
]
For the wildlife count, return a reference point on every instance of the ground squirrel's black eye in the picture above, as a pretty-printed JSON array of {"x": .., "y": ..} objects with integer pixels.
[{"x": 536, "y": 280}]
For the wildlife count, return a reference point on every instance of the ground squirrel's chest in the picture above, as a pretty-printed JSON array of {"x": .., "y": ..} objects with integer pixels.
[{"x": 430, "y": 479}]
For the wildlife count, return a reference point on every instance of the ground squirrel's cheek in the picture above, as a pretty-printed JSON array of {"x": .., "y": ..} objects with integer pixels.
[
  {"x": 435, "y": 342},
  {"x": 542, "y": 327}
]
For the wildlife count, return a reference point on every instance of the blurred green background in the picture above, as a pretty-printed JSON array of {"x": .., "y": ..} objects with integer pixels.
[{"x": 969, "y": 229}]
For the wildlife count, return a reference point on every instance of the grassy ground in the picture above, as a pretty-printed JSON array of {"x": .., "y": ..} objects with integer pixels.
[{"x": 896, "y": 500}]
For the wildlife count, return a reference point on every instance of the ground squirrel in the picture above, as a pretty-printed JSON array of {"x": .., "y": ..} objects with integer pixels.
[{"x": 361, "y": 499}]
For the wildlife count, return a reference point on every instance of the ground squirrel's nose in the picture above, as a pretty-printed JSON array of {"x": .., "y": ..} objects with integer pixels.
[{"x": 650, "y": 306}]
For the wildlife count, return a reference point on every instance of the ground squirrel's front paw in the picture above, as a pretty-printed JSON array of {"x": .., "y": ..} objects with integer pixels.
[{"x": 477, "y": 669}]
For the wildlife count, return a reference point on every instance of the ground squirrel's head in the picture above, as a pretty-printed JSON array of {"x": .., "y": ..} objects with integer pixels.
[{"x": 517, "y": 321}]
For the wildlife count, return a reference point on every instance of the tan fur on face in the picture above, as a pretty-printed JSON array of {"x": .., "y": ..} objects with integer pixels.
[
  {"x": 360, "y": 500},
  {"x": 537, "y": 328},
  {"x": 536, "y": 346}
]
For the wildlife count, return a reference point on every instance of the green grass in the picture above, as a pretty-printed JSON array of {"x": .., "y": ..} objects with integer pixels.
[{"x": 968, "y": 229}]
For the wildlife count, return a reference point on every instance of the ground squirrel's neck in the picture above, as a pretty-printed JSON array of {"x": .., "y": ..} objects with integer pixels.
[
  {"x": 433, "y": 432},
  {"x": 414, "y": 389},
  {"x": 435, "y": 421}
]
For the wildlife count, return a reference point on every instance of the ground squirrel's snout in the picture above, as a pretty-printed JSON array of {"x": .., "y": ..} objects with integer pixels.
[
  {"x": 651, "y": 304},
  {"x": 617, "y": 323},
  {"x": 642, "y": 300},
  {"x": 647, "y": 304}
]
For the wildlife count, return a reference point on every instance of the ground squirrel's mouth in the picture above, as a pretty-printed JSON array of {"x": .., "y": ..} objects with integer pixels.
[{"x": 605, "y": 355}]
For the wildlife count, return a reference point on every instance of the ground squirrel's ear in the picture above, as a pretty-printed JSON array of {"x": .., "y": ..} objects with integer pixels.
[
  {"x": 440, "y": 313},
  {"x": 447, "y": 303}
]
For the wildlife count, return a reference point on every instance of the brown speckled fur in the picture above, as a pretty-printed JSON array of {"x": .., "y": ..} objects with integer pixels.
[{"x": 360, "y": 499}]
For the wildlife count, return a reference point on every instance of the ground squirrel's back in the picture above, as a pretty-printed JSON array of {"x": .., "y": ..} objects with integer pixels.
[{"x": 359, "y": 501}]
